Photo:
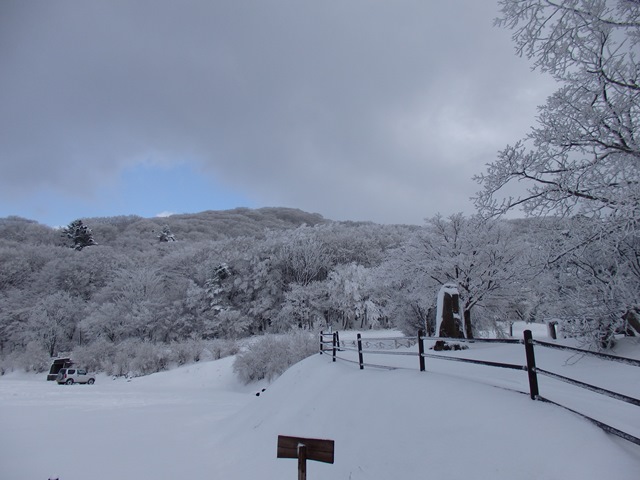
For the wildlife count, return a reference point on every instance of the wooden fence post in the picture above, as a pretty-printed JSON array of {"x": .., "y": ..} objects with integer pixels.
[
  {"x": 531, "y": 364},
  {"x": 302, "y": 462},
  {"x": 338, "y": 340},
  {"x": 421, "y": 349},
  {"x": 360, "y": 352},
  {"x": 321, "y": 340},
  {"x": 551, "y": 326},
  {"x": 335, "y": 348}
]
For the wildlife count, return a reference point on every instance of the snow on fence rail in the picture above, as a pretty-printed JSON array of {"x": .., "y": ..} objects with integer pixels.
[
  {"x": 603, "y": 356},
  {"x": 330, "y": 342}
]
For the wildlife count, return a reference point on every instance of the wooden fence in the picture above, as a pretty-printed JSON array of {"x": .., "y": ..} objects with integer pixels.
[{"x": 330, "y": 343}]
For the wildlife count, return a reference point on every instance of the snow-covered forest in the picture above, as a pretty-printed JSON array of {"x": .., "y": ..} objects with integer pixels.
[{"x": 129, "y": 295}]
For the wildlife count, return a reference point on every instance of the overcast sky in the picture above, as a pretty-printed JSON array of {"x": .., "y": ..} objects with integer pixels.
[{"x": 376, "y": 110}]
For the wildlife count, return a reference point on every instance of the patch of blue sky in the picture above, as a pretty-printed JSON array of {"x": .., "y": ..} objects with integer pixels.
[
  {"x": 151, "y": 190},
  {"x": 145, "y": 189}
]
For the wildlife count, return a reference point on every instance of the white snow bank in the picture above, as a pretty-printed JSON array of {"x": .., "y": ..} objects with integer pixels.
[
  {"x": 198, "y": 422},
  {"x": 407, "y": 424}
]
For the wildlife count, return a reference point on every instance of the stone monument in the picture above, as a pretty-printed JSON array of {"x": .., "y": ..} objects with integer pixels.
[{"x": 449, "y": 323}]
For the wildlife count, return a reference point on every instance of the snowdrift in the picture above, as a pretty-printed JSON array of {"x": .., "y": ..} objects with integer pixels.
[
  {"x": 198, "y": 422},
  {"x": 407, "y": 424}
]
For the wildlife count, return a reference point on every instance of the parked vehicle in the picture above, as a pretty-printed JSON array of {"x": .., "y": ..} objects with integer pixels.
[
  {"x": 69, "y": 376},
  {"x": 57, "y": 365}
]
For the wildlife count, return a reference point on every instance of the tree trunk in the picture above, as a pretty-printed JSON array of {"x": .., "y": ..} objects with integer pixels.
[
  {"x": 467, "y": 323},
  {"x": 631, "y": 317}
]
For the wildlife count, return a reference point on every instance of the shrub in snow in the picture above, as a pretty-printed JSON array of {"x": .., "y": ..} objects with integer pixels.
[
  {"x": 107, "y": 357},
  {"x": 137, "y": 357},
  {"x": 194, "y": 350},
  {"x": 270, "y": 355},
  {"x": 34, "y": 358},
  {"x": 186, "y": 352},
  {"x": 221, "y": 348},
  {"x": 149, "y": 358},
  {"x": 96, "y": 357},
  {"x": 122, "y": 359}
]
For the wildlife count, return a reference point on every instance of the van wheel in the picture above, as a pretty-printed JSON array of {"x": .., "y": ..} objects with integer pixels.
[
  {"x": 91, "y": 381},
  {"x": 69, "y": 382}
]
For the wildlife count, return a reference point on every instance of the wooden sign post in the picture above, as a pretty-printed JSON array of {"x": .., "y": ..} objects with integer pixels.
[{"x": 305, "y": 449}]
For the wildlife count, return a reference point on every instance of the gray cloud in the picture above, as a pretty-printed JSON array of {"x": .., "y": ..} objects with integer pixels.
[{"x": 358, "y": 109}]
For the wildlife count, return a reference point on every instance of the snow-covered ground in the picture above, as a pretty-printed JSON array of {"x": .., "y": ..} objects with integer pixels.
[{"x": 198, "y": 422}]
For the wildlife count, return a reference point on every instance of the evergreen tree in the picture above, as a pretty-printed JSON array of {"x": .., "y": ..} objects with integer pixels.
[
  {"x": 80, "y": 234},
  {"x": 165, "y": 235}
]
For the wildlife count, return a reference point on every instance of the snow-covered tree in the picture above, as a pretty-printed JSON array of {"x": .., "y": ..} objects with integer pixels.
[
  {"x": 406, "y": 293},
  {"x": 52, "y": 322},
  {"x": 230, "y": 324},
  {"x": 138, "y": 298},
  {"x": 79, "y": 234},
  {"x": 479, "y": 257},
  {"x": 218, "y": 289},
  {"x": 349, "y": 293},
  {"x": 264, "y": 291},
  {"x": 583, "y": 157},
  {"x": 592, "y": 280},
  {"x": 105, "y": 321},
  {"x": 19, "y": 264},
  {"x": 302, "y": 258},
  {"x": 303, "y": 306},
  {"x": 166, "y": 235}
]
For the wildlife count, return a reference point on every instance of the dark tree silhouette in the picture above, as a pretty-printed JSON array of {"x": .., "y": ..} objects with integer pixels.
[{"x": 79, "y": 234}]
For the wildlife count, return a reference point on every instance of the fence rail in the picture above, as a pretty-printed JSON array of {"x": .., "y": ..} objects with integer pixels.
[
  {"x": 607, "y": 428},
  {"x": 593, "y": 388},
  {"x": 477, "y": 362},
  {"x": 603, "y": 356},
  {"x": 333, "y": 339}
]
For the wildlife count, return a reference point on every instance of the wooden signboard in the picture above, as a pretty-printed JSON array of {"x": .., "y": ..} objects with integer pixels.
[{"x": 305, "y": 449}]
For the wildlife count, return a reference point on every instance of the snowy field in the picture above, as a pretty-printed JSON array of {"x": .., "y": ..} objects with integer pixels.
[{"x": 198, "y": 422}]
